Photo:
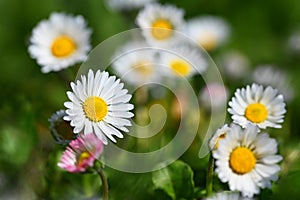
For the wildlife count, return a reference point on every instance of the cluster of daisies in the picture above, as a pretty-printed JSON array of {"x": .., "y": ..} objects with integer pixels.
[{"x": 245, "y": 156}]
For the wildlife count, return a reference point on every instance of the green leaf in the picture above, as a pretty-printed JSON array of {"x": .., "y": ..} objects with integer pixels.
[{"x": 176, "y": 180}]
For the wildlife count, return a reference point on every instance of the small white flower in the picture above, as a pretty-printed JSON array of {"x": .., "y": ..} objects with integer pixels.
[
  {"x": 135, "y": 63},
  {"x": 208, "y": 31},
  {"x": 257, "y": 105},
  {"x": 247, "y": 160},
  {"x": 227, "y": 196},
  {"x": 182, "y": 60},
  {"x": 214, "y": 95},
  {"x": 127, "y": 4},
  {"x": 159, "y": 23},
  {"x": 270, "y": 75},
  {"x": 99, "y": 104},
  {"x": 218, "y": 136},
  {"x": 60, "y": 42}
]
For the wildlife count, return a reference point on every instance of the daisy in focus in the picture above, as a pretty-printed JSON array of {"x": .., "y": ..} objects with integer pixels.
[
  {"x": 81, "y": 153},
  {"x": 217, "y": 137},
  {"x": 60, "y": 42},
  {"x": 99, "y": 104},
  {"x": 128, "y": 4},
  {"x": 247, "y": 160},
  {"x": 257, "y": 105},
  {"x": 209, "y": 32},
  {"x": 135, "y": 63},
  {"x": 159, "y": 23},
  {"x": 182, "y": 60}
]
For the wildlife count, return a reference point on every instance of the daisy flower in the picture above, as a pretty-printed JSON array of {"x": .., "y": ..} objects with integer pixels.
[
  {"x": 270, "y": 75},
  {"x": 208, "y": 31},
  {"x": 135, "y": 63},
  {"x": 158, "y": 23},
  {"x": 214, "y": 95},
  {"x": 247, "y": 160},
  {"x": 217, "y": 137},
  {"x": 182, "y": 60},
  {"x": 60, "y": 42},
  {"x": 227, "y": 196},
  {"x": 81, "y": 153},
  {"x": 257, "y": 105},
  {"x": 127, "y": 4},
  {"x": 99, "y": 104}
]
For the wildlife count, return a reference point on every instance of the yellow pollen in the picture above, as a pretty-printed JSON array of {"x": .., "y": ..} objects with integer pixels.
[
  {"x": 143, "y": 68},
  {"x": 63, "y": 46},
  {"x": 95, "y": 108},
  {"x": 162, "y": 29},
  {"x": 208, "y": 41},
  {"x": 219, "y": 139},
  {"x": 242, "y": 160},
  {"x": 82, "y": 157},
  {"x": 180, "y": 67},
  {"x": 256, "y": 113}
]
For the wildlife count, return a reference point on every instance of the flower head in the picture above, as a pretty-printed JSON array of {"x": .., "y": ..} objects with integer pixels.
[
  {"x": 208, "y": 31},
  {"x": 257, "y": 105},
  {"x": 218, "y": 136},
  {"x": 81, "y": 153},
  {"x": 99, "y": 104},
  {"x": 127, "y": 4},
  {"x": 247, "y": 160},
  {"x": 60, "y": 42},
  {"x": 158, "y": 23}
]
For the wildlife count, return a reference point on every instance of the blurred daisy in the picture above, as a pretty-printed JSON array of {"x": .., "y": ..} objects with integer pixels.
[
  {"x": 218, "y": 136},
  {"x": 254, "y": 104},
  {"x": 214, "y": 95},
  {"x": 182, "y": 60},
  {"x": 127, "y": 4},
  {"x": 247, "y": 160},
  {"x": 60, "y": 42},
  {"x": 270, "y": 75},
  {"x": 158, "y": 23},
  {"x": 99, "y": 104},
  {"x": 209, "y": 32},
  {"x": 227, "y": 196},
  {"x": 135, "y": 63},
  {"x": 81, "y": 153},
  {"x": 294, "y": 42},
  {"x": 60, "y": 129}
]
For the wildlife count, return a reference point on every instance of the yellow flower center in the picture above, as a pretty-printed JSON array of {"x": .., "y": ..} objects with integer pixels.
[
  {"x": 180, "y": 67},
  {"x": 256, "y": 113},
  {"x": 84, "y": 155},
  {"x": 143, "y": 68},
  {"x": 208, "y": 41},
  {"x": 95, "y": 108},
  {"x": 162, "y": 29},
  {"x": 63, "y": 46},
  {"x": 242, "y": 160},
  {"x": 219, "y": 139}
]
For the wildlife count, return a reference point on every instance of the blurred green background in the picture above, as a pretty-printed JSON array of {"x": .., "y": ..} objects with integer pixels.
[{"x": 28, "y": 154}]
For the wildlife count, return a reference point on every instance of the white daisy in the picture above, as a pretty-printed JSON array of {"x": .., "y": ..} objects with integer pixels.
[
  {"x": 208, "y": 31},
  {"x": 127, "y": 4},
  {"x": 159, "y": 23},
  {"x": 227, "y": 196},
  {"x": 247, "y": 160},
  {"x": 182, "y": 60},
  {"x": 99, "y": 104},
  {"x": 275, "y": 77},
  {"x": 257, "y": 105},
  {"x": 135, "y": 63},
  {"x": 60, "y": 42},
  {"x": 217, "y": 137}
]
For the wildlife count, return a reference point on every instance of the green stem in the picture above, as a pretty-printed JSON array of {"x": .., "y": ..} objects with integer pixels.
[
  {"x": 209, "y": 177},
  {"x": 104, "y": 183}
]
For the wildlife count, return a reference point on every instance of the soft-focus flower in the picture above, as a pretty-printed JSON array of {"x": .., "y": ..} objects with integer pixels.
[
  {"x": 81, "y": 153},
  {"x": 60, "y": 129},
  {"x": 182, "y": 60},
  {"x": 257, "y": 105},
  {"x": 247, "y": 160},
  {"x": 99, "y": 104},
  {"x": 128, "y": 4},
  {"x": 208, "y": 31},
  {"x": 159, "y": 23},
  {"x": 227, "y": 196},
  {"x": 214, "y": 95},
  {"x": 270, "y": 75},
  {"x": 217, "y": 137},
  {"x": 135, "y": 63},
  {"x": 294, "y": 42},
  {"x": 60, "y": 42}
]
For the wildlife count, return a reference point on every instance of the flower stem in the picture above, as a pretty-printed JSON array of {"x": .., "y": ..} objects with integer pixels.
[
  {"x": 209, "y": 177},
  {"x": 104, "y": 183}
]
